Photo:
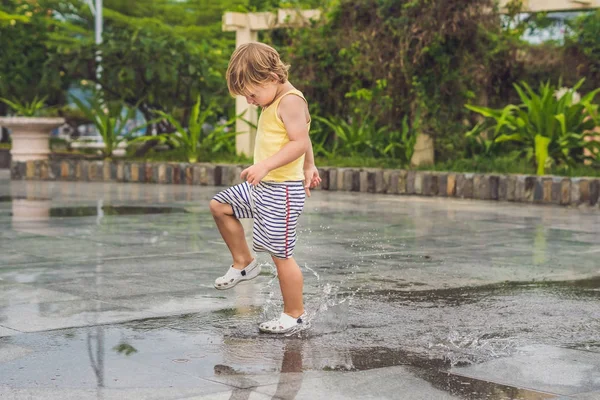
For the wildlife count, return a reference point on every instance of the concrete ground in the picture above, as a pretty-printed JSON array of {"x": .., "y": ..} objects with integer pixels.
[{"x": 106, "y": 293}]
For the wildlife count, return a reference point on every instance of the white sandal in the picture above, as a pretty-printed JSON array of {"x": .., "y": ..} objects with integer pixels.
[
  {"x": 284, "y": 324},
  {"x": 235, "y": 276}
]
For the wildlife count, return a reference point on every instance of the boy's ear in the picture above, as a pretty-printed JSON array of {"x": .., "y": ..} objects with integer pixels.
[{"x": 275, "y": 77}]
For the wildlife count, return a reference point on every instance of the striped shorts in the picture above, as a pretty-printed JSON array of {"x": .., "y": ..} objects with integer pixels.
[{"x": 275, "y": 208}]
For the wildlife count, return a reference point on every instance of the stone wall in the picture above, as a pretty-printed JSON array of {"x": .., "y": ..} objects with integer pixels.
[{"x": 516, "y": 188}]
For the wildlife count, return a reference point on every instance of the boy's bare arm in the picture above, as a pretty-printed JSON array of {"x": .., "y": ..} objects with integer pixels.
[
  {"x": 309, "y": 159},
  {"x": 292, "y": 113},
  {"x": 312, "y": 179}
]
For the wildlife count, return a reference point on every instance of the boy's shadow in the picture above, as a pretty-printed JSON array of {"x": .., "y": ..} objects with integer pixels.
[{"x": 290, "y": 379}]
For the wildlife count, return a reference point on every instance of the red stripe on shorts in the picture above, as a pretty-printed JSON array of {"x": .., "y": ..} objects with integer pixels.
[{"x": 287, "y": 219}]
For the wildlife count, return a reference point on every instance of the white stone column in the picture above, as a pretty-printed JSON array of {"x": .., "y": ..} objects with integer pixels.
[{"x": 244, "y": 143}]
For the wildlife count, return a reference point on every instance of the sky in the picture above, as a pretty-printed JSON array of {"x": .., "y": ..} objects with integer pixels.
[{"x": 556, "y": 32}]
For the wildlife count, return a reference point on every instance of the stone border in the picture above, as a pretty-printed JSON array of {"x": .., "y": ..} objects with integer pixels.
[{"x": 515, "y": 188}]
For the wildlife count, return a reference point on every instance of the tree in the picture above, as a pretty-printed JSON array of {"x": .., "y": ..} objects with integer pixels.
[
  {"x": 393, "y": 58},
  {"x": 160, "y": 54},
  {"x": 583, "y": 47},
  {"x": 24, "y": 69}
]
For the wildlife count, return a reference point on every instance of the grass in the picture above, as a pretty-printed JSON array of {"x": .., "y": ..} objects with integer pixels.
[
  {"x": 359, "y": 162},
  {"x": 499, "y": 165},
  {"x": 177, "y": 155},
  {"x": 509, "y": 165}
]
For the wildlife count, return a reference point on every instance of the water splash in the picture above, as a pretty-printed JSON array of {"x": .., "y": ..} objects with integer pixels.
[
  {"x": 271, "y": 303},
  {"x": 313, "y": 272},
  {"x": 328, "y": 313},
  {"x": 327, "y": 306},
  {"x": 473, "y": 347}
]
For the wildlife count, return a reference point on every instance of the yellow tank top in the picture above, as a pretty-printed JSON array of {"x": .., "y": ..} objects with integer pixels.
[{"x": 271, "y": 136}]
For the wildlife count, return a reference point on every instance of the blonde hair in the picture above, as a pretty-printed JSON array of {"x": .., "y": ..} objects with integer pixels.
[{"x": 254, "y": 64}]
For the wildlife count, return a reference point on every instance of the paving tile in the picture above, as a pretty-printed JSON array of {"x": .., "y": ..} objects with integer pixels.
[{"x": 544, "y": 368}]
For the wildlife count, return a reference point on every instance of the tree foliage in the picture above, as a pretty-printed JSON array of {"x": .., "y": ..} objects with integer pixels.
[
  {"x": 24, "y": 72},
  {"x": 432, "y": 56},
  {"x": 24, "y": 28},
  {"x": 157, "y": 53},
  {"x": 395, "y": 67},
  {"x": 585, "y": 46},
  {"x": 160, "y": 54}
]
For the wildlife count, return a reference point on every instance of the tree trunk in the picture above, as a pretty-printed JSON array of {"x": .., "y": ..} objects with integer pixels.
[
  {"x": 3, "y": 130},
  {"x": 149, "y": 145},
  {"x": 3, "y": 135},
  {"x": 161, "y": 127},
  {"x": 424, "y": 151}
]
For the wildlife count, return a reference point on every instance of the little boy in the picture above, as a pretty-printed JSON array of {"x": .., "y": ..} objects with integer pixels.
[{"x": 275, "y": 186}]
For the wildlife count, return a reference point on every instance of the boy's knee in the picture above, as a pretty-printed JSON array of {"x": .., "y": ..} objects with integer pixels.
[
  {"x": 220, "y": 209},
  {"x": 216, "y": 208}
]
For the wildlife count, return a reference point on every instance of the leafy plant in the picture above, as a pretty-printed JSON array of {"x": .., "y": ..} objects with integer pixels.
[
  {"x": 125, "y": 348},
  {"x": 481, "y": 144},
  {"x": 350, "y": 134},
  {"x": 219, "y": 140},
  {"x": 354, "y": 136},
  {"x": 110, "y": 119},
  {"x": 25, "y": 108},
  {"x": 552, "y": 124},
  {"x": 320, "y": 138},
  {"x": 402, "y": 143},
  {"x": 361, "y": 136},
  {"x": 191, "y": 139}
]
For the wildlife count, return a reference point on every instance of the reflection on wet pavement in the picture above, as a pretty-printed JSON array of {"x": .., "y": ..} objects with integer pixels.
[{"x": 408, "y": 298}]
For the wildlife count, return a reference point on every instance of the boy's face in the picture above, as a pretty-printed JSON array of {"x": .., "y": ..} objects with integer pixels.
[{"x": 262, "y": 95}]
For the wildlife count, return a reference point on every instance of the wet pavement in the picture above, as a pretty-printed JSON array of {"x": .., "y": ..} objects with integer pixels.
[{"x": 106, "y": 293}]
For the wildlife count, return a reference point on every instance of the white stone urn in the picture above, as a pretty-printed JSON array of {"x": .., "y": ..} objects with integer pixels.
[{"x": 30, "y": 136}]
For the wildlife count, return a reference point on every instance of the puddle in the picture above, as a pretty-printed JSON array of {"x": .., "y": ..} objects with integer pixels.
[
  {"x": 364, "y": 359},
  {"x": 232, "y": 312},
  {"x": 590, "y": 283},
  {"x": 473, "y": 294},
  {"x": 236, "y": 361},
  {"x": 436, "y": 298},
  {"x": 474, "y": 389},
  {"x": 435, "y": 372},
  {"x": 364, "y": 316},
  {"x": 588, "y": 346},
  {"x": 113, "y": 210}
]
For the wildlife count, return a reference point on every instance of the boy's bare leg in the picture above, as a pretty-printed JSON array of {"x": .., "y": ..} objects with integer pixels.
[
  {"x": 291, "y": 283},
  {"x": 232, "y": 232}
]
